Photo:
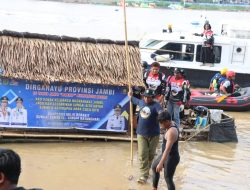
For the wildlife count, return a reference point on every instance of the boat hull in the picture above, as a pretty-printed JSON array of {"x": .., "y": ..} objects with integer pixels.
[{"x": 240, "y": 103}]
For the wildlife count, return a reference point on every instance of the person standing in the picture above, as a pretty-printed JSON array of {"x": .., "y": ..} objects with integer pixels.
[
  {"x": 19, "y": 114},
  {"x": 169, "y": 158},
  {"x": 5, "y": 112},
  {"x": 148, "y": 131},
  {"x": 156, "y": 81},
  {"x": 207, "y": 55},
  {"x": 177, "y": 93}
]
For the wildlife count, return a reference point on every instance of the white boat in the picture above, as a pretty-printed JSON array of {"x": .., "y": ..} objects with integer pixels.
[{"x": 182, "y": 50}]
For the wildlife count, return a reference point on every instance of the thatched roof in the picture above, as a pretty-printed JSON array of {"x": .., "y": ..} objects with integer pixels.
[{"x": 52, "y": 58}]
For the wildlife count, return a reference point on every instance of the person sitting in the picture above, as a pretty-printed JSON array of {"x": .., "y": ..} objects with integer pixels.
[
  {"x": 227, "y": 87},
  {"x": 10, "y": 169},
  {"x": 201, "y": 119},
  {"x": 217, "y": 79}
]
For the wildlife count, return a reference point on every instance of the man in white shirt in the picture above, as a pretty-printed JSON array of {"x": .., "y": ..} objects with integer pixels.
[
  {"x": 5, "y": 112},
  {"x": 116, "y": 122},
  {"x": 19, "y": 114}
]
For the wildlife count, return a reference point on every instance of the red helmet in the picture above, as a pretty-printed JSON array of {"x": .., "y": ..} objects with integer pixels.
[{"x": 230, "y": 74}]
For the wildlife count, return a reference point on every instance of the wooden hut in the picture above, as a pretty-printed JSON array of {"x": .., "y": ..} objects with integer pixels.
[
  {"x": 52, "y": 58},
  {"x": 64, "y": 59}
]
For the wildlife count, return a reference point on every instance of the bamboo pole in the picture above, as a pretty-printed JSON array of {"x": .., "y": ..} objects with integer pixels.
[
  {"x": 129, "y": 82},
  {"x": 203, "y": 129}
]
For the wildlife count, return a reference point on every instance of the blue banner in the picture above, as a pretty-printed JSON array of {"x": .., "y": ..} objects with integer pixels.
[{"x": 63, "y": 105}]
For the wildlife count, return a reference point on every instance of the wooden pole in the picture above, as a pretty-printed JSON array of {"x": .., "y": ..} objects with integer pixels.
[
  {"x": 129, "y": 83},
  {"x": 197, "y": 133}
]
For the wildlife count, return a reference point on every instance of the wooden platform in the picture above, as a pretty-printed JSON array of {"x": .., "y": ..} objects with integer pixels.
[{"x": 61, "y": 135}]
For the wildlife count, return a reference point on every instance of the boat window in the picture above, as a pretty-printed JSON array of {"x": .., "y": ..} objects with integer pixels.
[
  {"x": 151, "y": 43},
  {"x": 178, "y": 51},
  {"x": 216, "y": 51}
]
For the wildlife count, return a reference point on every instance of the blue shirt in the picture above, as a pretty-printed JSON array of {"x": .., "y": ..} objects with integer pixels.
[
  {"x": 216, "y": 76},
  {"x": 148, "y": 124}
]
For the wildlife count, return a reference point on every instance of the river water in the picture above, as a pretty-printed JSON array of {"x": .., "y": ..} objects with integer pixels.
[
  {"x": 106, "y": 165},
  {"x": 103, "y": 21}
]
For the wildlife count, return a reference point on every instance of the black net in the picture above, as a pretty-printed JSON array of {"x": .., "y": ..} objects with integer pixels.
[{"x": 223, "y": 132}]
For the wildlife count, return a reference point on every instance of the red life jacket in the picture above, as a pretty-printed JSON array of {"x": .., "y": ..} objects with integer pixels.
[
  {"x": 176, "y": 89},
  {"x": 208, "y": 38},
  {"x": 155, "y": 82}
]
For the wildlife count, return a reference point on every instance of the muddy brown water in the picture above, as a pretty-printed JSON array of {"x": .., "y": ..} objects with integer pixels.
[{"x": 106, "y": 165}]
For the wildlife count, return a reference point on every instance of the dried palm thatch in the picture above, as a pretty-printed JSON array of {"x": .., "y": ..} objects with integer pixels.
[{"x": 66, "y": 59}]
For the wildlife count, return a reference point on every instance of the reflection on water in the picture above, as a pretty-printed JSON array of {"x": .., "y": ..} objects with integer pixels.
[{"x": 106, "y": 165}]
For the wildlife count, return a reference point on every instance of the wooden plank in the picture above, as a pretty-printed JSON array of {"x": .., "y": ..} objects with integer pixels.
[{"x": 64, "y": 136}]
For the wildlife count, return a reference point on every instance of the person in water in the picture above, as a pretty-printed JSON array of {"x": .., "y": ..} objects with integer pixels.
[
  {"x": 148, "y": 131},
  {"x": 169, "y": 158}
]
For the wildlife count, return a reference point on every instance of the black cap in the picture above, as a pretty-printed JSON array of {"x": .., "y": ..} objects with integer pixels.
[
  {"x": 4, "y": 98},
  {"x": 179, "y": 70},
  {"x": 149, "y": 93},
  {"x": 118, "y": 106},
  {"x": 19, "y": 99},
  {"x": 201, "y": 110}
]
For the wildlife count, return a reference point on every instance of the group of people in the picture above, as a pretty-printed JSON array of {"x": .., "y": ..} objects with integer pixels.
[
  {"x": 160, "y": 90},
  {"x": 222, "y": 83},
  {"x": 16, "y": 117},
  {"x": 173, "y": 92}
]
